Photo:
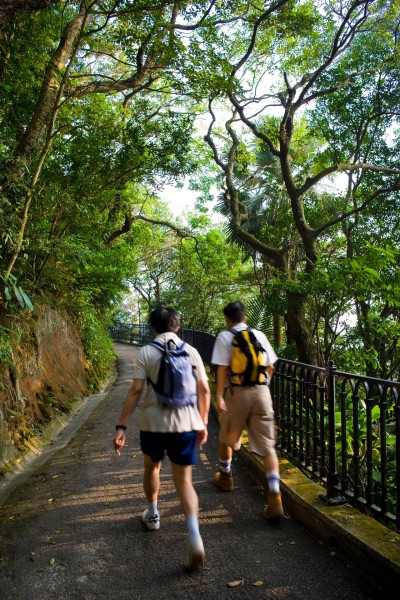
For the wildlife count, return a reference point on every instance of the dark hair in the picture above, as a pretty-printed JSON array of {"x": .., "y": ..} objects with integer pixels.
[
  {"x": 164, "y": 319},
  {"x": 235, "y": 311}
]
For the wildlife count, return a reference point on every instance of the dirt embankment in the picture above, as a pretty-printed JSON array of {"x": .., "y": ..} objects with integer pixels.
[{"x": 42, "y": 379}]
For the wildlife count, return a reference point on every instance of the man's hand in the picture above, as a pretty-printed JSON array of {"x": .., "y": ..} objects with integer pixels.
[
  {"x": 119, "y": 441},
  {"x": 222, "y": 378},
  {"x": 202, "y": 437},
  {"x": 221, "y": 405},
  {"x": 130, "y": 404}
]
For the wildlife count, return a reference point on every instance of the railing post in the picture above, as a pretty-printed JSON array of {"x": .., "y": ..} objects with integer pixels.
[
  {"x": 332, "y": 496},
  {"x": 397, "y": 479}
]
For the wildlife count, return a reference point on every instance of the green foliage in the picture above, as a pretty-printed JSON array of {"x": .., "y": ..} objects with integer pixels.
[
  {"x": 204, "y": 267},
  {"x": 134, "y": 95},
  {"x": 98, "y": 347},
  {"x": 5, "y": 347},
  {"x": 259, "y": 316},
  {"x": 13, "y": 295},
  {"x": 351, "y": 443}
]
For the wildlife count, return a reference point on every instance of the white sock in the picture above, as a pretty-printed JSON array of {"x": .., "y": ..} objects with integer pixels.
[
  {"x": 273, "y": 480},
  {"x": 153, "y": 508},
  {"x": 225, "y": 465},
  {"x": 192, "y": 524}
]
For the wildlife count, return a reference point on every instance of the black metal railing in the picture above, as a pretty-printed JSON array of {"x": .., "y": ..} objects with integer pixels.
[
  {"x": 339, "y": 428},
  {"x": 343, "y": 429},
  {"x": 141, "y": 334},
  {"x": 131, "y": 334}
]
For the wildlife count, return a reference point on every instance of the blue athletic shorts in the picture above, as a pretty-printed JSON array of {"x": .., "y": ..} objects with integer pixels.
[{"x": 180, "y": 447}]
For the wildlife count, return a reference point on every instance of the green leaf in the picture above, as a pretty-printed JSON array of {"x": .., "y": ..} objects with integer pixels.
[
  {"x": 27, "y": 300},
  {"x": 375, "y": 413},
  {"x": 19, "y": 296}
]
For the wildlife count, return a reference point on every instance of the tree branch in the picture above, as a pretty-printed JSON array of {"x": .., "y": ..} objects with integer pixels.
[
  {"x": 319, "y": 94},
  {"x": 342, "y": 41},
  {"x": 260, "y": 20},
  {"x": 199, "y": 24},
  {"x": 9, "y": 7},
  {"x": 312, "y": 181},
  {"x": 275, "y": 254},
  {"x": 147, "y": 66},
  {"x": 259, "y": 134},
  {"x": 129, "y": 220},
  {"x": 393, "y": 188},
  {"x": 210, "y": 141}
]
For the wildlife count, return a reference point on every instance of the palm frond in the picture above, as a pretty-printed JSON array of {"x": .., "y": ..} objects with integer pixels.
[{"x": 259, "y": 316}]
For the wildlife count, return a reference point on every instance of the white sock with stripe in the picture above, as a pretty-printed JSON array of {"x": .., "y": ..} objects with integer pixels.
[
  {"x": 192, "y": 524},
  {"x": 153, "y": 508},
  {"x": 273, "y": 480},
  {"x": 225, "y": 465}
]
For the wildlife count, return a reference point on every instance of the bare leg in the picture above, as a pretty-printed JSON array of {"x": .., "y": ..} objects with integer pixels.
[
  {"x": 151, "y": 485},
  {"x": 224, "y": 452},
  {"x": 182, "y": 475},
  {"x": 151, "y": 478},
  {"x": 271, "y": 463}
]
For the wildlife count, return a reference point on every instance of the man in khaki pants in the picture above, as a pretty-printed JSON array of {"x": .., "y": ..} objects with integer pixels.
[{"x": 247, "y": 406}]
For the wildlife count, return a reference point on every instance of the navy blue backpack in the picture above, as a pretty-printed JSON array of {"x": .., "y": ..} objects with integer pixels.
[{"x": 176, "y": 383}]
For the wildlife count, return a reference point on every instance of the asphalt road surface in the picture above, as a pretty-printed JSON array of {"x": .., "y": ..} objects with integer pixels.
[{"x": 72, "y": 529}]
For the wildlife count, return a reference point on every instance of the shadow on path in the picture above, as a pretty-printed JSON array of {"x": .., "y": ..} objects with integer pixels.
[{"x": 72, "y": 530}]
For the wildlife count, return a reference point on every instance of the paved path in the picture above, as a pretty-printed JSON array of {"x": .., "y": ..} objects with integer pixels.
[{"x": 72, "y": 530}]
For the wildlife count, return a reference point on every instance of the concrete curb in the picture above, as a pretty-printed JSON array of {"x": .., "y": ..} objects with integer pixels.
[
  {"x": 55, "y": 436},
  {"x": 374, "y": 548}
]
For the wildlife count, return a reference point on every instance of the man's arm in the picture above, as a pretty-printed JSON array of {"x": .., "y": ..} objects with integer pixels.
[
  {"x": 203, "y": 403},
  {"x": 222, "y": 376},
  {"x": 130, "y": 404},
  {"x": 270, "y": 371}
]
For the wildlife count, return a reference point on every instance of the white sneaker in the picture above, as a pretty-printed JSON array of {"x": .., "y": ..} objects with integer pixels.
[
  {"x": 196, "y": 555},
  {"x": 152, "y": 522}
]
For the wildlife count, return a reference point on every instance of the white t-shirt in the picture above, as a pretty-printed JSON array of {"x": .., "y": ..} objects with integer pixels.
[
  {"x": 153, "y": 415},
  {"x": 222, "y": 350}
]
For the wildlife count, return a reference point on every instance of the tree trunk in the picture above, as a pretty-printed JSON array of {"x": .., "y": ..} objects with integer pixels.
[
  {"x": 298, "y": 331},
  {"x": 40, "y": 129},
  {"x": 32, "y": 137},
  {"x": 277, "y": 330}
]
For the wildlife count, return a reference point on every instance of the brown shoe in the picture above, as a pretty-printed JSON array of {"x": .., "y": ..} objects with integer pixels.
[
  {"x": 273, "y": 512},
  {"x": 223, "y": 481}
]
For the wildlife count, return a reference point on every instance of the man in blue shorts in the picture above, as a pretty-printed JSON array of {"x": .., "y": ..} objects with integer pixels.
[{"x": 170, "y": 430}]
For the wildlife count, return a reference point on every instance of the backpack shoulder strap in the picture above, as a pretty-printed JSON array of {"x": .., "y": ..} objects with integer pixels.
[
  {"x": 238, "y": 339},
  {"x": 256, "y": 342},
  {"x": 236, "y": 331},
  {"x": 157, "y": 345},
  {"x": 168, "y": 346},
  {"x": 172, "y": 346}
]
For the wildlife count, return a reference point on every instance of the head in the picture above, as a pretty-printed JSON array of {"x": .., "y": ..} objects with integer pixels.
[
  {"x": 164, "y": 319},
  {"x": 234, "y": 313}
]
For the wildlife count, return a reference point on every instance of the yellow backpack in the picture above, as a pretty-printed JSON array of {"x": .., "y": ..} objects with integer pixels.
[{"x": 247, "y": 362}]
